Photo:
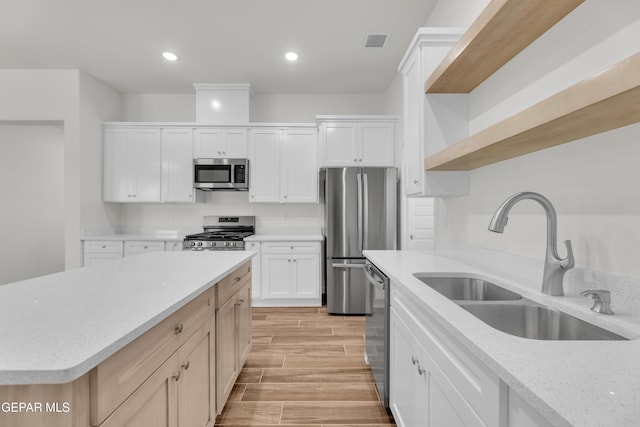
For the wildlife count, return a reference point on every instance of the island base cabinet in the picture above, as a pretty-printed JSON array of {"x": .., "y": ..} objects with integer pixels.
[
  {"x": 154, "y": 403},
  {"x": 179, "y": 393},
  {"x": 233, "y": 330},
  {"x": 60, "y": 405}
]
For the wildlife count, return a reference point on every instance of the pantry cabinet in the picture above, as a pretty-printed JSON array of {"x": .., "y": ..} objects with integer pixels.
[
  {"x": 283, "y": 165},
  {"x": 291, "y": 273},
  {"x": 431, "y": 122},
  {"x": 132, "y": 164},
  {"x": 434, "y": 381},
  {"x": 357, "y": 141},
  {"x": 220, "y": 143}
]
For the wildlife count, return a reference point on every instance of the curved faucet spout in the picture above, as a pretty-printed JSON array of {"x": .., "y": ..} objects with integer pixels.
[{"x": 554, "y": 266}]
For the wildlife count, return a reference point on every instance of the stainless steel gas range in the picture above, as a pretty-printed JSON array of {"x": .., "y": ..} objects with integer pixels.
[{"x": 221, "y": 233}]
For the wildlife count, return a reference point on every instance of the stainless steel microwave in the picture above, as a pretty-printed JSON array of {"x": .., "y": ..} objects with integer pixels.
[{"x": 221, "y": 174}]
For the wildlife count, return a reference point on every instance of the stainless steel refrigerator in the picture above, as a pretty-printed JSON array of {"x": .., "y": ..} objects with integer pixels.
[{"x": 360, "y": 213}]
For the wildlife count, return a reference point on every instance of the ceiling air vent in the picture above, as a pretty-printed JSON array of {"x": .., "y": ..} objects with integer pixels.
[{"x": 376, "y": 39}]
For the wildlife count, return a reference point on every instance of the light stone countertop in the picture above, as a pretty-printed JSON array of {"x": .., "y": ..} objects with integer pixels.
[
  {"x": 56, "y": 328},
  {"x": 311, "y": 237},
  {"x": 160, "y": 236},
  {"x": 571, "y": 383}
]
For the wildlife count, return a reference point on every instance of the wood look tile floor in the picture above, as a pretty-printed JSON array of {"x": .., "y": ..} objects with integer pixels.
[{"x": 306, "y": 369}]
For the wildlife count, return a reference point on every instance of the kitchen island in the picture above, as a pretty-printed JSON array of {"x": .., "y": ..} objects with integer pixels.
[
  {"x": 493, "y": 378},
  {"x": 77, "y": 345}
]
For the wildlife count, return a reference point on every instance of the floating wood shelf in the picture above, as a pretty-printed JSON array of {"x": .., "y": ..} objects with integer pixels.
[
  {"x": 501, "y": 31},
  {"x": 608, "y": 100}
]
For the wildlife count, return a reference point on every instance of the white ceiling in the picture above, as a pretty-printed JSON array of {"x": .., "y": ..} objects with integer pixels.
[{"x": 219, "y": 41}]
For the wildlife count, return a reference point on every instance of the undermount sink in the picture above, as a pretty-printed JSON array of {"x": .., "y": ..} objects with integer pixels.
[
  {"x": 467, "y": 288},
  {"x": 537, "y": 322}
]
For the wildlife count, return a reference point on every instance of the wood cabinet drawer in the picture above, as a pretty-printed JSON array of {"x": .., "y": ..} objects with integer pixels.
[
  {"x": 121, "y": 374},
  {"x": 103, "y": 246},
  {"x": 228, "y": 286},
  {"x": 291, "y": 247},
  {"x": 132, "y": 247}
]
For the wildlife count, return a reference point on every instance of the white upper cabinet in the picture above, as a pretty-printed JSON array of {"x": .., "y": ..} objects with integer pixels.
[
  {"x": 357, "y": 141},
  {"x": 264, "y": 165},
  {"x": 177, "y": 165},
  {"x": 220, "y": 143},
  {"x": 283, "y": 165},
  {"x": 431, "y": 122},
  {"x": 299, "y": 174},
  {"x": 131, "y": 165},
  {"x": 148, "y": 163}
]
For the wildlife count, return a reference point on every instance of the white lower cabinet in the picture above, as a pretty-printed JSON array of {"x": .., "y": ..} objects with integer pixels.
[
  {"x": 290, "y": 273},
  {"x": 521, "y": 414},
  {"x": 256, "y": 286},
  {"x": 133, "y": 247},
  {"x": 434, "y": 382},
  {"x": 97, "y": 251}
]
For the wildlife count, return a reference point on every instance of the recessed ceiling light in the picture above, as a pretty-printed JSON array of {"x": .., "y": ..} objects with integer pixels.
[
  {"x": 170, "y": 56},
  {"x": 291, "y": 56}
]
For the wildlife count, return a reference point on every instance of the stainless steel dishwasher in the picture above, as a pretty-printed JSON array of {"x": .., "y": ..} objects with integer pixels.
[{"x": 377, "y": 328}]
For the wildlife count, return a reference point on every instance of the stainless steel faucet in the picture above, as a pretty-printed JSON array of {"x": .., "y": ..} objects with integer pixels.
[
  {"x": 601, "y": 300},
  {"x": 554, "y": 266}
]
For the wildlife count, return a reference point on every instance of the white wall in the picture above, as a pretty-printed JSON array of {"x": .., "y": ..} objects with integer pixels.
[
  {"x": 592, "y": 182},
  {"x": 32, "y": 192},
  {"x": 69, "y": 97},
  {"x": 275, "y": 108}
]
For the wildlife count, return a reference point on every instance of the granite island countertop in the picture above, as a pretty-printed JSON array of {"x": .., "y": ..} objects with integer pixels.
[
  {"x": 57, "y": 327},
  {"x": 570, "y": 383}
]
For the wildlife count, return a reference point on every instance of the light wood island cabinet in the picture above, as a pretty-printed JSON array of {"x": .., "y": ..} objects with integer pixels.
[{"x": 173, "y": 375}]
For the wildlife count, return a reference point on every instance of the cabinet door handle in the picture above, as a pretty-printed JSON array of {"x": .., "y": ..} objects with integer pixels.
[
  {"x": 421, "y": 370},
  {"x": 145, "y": 247},
  {"x": 104, "y": 246},
  {"x": 178, "y": 329},
  {"x": 240, "y": 302},
  {"x": 176, "y": 376},
  {"x": 415, "y": 182},
  {"x": 294, "y": 260},
  {"x": 414, "y": 360},
  {"x": 185, "y": 365}
]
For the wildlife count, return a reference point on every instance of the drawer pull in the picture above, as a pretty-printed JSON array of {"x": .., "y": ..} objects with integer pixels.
[
  {"x": 185, "y": 365},
  {"x": 421, "y": 370},
  {"x": 237, "y": 279},
  {"x": 104, "y": 246},
  {"x": 414, "y": 361},
  {"x": 241, "y": 302},
  {"x": 178, "y": 329},
  {"x": 176, "y": 376}
]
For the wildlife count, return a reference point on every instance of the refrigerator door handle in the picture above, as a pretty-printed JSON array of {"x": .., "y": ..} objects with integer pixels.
[
  {"x": 351, "y": 265},
  {"x": 360, "y": 210},
  {"x": 365, "y": 212}
]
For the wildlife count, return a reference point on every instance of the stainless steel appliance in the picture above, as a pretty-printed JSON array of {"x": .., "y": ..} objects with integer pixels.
[
  {"x": 221, "y": 174},
  {"x": 377, "y": 329},
  {"x": 360, "y": 213},
  {"x": 221, "y": 233}
]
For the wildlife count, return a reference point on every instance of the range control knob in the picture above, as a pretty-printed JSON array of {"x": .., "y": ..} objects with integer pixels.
[
  {"x": 227, "y": 244},
  {"x": 199, "y": 243}
]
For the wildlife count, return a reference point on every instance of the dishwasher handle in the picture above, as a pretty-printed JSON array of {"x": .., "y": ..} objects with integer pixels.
[{"x": 374, "y": 276}]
